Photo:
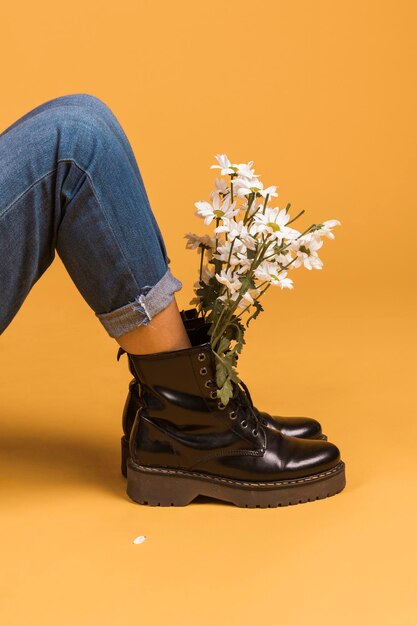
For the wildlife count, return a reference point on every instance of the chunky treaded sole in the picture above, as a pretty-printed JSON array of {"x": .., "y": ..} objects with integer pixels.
[
  {"x": 170, "y": 487},
  {"x": 125, "y": 452}
]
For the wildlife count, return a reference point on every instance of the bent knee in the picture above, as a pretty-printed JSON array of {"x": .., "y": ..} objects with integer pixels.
[
  {"x": 85, "y": 106},
  {"x": 87, "y": 100}
]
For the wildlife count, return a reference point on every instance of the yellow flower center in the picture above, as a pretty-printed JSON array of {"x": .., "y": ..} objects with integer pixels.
[{"x": 273, "y": 225}]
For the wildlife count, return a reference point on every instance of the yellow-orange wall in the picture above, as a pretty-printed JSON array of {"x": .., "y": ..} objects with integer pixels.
[{"x": 322, "y": 96}]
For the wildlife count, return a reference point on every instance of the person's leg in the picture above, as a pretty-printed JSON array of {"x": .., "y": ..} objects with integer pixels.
[
  {"x": 69, "y": 182},
  {"x": 165, "y": 332}
]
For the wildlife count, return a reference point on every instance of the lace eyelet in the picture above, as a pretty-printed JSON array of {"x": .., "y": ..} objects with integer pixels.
[
  {"x": 255, "y": 432},
  {"x": 201, "y": 356},
  {"x": 244, "y": 424},
  {"x": 221, "y": 406},
  {"x": 213, "y": 394},
  {"x": 232, "y": 415},
  {"x": 203, "y": 370},
  {"x": 208, "y": 383}
]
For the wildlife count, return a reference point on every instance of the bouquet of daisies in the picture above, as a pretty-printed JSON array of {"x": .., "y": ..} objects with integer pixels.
[{"x": 253, "y": 247}]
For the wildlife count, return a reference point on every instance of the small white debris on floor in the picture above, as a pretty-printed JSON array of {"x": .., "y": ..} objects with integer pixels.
[{"x": 139, "y": 539}]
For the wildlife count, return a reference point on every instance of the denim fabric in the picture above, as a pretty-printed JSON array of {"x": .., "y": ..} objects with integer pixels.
[{"x": 70, "y": 183}]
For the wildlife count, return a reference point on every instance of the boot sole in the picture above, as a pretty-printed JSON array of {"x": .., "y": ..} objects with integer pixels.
[
  {"x": 157, "y": 486},
  {"x": 125, "y": 452}
]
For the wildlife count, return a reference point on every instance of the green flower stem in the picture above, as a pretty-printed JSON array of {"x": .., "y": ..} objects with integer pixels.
[
  {"x": 282, "y": 248},
  {"x": 217, "y": 223},
  {"x": 201, "y": 262},
  {"x": 250, "y": 202},
  {"x": 229, "y": 314},
  {"x": 230, "y": 255},
  {"x": 265, "y": 203},
  {"x": 306, "y": 231},
  {"x": 296, "y": 217},
  {"x": 258, "y": 297},
  {"x": 284, "y": 267},
  {"x": 217, "y": 262},
  {"x": 213, "y": 339}
]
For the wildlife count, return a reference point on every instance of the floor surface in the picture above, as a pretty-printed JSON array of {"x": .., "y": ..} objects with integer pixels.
[{"x": 67, "y": 526}]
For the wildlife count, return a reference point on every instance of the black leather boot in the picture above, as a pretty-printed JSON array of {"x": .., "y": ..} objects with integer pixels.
[
  {"x": 304, "y": 427},
  {"x": 185, "y": 442}
]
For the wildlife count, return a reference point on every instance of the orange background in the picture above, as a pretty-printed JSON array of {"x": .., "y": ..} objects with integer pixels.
[{"x": 322, "y": 96}]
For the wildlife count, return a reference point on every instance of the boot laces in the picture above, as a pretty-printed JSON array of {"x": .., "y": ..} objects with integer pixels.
[
  {"x": 249, "y": 413},
  {"x": 250, "y": 401}
]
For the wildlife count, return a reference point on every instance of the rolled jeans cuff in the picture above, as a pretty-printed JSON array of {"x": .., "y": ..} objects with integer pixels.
[{"x": 150, "y": 301}]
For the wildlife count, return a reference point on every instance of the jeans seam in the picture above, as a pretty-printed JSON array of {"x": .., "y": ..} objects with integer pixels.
[
  {"x": 105, "y": 216},
  {"x": 7, "y": 209},
  {"x": 128, "y": 317}
]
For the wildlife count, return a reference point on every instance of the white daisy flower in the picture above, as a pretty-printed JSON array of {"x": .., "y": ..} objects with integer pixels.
[
  {"x": 208, "y": 241},
  {"x": 236, "y": 229},
  {"x": 267, "y": 271},
  {"x": 306, "y": 248},
  {"x": 271, "y": 191},
  {"x": 325, "y": 229},
  {"x": 223, "y": 251},
  {"x": 228, "y": 278},
  {"x": 217, "y": 209},
  {"x": 282, "y": 280},
  {"x": 262, "y": 271},
  {"x": 244, "y": 264},
  {"x": 194, "y": 241},
  {"x": 221, "y": 188},
  {"x": 284, "y": 258},
  {"x": 248, "y": 298},
  {"x": 244, "y": 170},
  {"x": 273, "y": 221},
  {"x": 228, "y": 296},
  {"x": 243, "y": 186},
  {"x": 223, "y": 164}
]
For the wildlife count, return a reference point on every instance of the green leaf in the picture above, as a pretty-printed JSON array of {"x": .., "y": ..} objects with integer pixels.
[
  {"x": 226, "y": 392},
  {"x": 223, "y": 344},
  {"x": 234, "y": 376},
  {"x": 247, "y": 283},
  {"x": 221, "y": 373},
  {"x": 258, "y": 306}
]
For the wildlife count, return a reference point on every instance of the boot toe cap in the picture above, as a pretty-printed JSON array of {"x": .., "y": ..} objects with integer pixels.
[
  {"x": 303, "y": 427},
  {"x": 314, "y": 457}
]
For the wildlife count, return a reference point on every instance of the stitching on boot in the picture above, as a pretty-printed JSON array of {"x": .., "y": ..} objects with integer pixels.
[{"x": 278, "y": 483}]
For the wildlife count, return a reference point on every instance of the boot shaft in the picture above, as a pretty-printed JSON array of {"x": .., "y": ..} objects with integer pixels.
[
  {"x": 181, "y": 419},
  {"x": 178, "y": 384}
]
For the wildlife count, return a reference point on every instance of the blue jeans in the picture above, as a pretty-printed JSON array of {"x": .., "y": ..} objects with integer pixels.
[{"x": 69, "y": 182}]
